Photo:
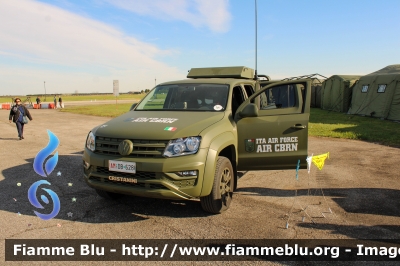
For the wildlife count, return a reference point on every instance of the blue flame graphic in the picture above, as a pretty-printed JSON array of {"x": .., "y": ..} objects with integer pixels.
[
  {"x": 44, "y": 153},
  {"x": 33, "y": 200}
]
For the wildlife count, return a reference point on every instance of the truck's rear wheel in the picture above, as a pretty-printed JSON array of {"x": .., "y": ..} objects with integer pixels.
[
  {"x": 107, "y": 195},
  {"x": 221, "y": 194}
]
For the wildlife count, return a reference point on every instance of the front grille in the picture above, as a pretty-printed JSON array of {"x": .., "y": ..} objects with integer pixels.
[
  {"x": 138, "y": 175},
  {"x": 141, "y": 148}
]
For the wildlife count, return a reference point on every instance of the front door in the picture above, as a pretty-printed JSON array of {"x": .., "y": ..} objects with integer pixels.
[{"x": 277, "y": 136}]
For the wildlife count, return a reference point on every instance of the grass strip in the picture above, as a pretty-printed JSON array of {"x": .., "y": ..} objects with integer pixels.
[
  {"x": 106, "y": 110},
  {"x": 340, "y": 125}
]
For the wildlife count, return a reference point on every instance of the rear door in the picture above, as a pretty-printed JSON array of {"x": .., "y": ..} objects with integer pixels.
[{"x": 276, "y": 137}]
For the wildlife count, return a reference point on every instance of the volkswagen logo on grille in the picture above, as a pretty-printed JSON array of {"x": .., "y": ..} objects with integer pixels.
[{"x": 125, "y": 147}]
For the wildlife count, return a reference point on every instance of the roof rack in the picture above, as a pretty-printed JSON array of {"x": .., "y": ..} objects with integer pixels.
[{"x": 222, "y": 72}]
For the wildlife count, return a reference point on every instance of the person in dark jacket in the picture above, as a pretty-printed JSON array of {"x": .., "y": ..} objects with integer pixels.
[
  {"x": 55, "y": 101},
  {"x": 17, "y": 113},
  {"x": 60, "y": 102}
]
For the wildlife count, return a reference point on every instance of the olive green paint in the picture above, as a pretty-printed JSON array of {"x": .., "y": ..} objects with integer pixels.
[{"x": 222, "y": 134}]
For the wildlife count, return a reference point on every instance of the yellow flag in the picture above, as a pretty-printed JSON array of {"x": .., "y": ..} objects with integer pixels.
[{"x": 319, "y": 160}]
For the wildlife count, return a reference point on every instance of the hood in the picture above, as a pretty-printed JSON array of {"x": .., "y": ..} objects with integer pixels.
[{"x": 158, "y": 125}]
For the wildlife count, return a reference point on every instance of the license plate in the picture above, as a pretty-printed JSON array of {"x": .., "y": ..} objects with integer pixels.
[{"x": 121, "y": 166}]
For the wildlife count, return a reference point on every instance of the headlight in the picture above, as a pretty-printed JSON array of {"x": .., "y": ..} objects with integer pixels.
[
  {"x": 182, "y": 146},
  {"x": 91, "y": 141}
]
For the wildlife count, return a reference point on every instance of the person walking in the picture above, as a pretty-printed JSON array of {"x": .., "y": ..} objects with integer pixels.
[
  {"x": 17, "y": 113},
  {"x": 55, "y": 101},
  {"x": 38, "y": 100},
  {"x": 60, "y": 101}
]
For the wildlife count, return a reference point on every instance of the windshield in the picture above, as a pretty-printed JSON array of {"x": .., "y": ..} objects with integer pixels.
[{"x": 196, "y": 97}]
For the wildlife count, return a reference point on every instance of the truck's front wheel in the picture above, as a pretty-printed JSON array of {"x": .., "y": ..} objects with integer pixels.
[{"x": 221, "y": 194}]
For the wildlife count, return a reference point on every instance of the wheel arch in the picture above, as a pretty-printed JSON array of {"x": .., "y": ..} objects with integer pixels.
[
  {"x": 230, "y": 153},
  {"x": 222, "y": 145}
]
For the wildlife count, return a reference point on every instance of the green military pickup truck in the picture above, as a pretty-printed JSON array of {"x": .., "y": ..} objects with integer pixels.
[{"x": 187, "y": 139}]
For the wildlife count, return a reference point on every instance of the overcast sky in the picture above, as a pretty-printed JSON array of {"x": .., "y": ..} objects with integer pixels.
[{"x": 84, "y": 45}]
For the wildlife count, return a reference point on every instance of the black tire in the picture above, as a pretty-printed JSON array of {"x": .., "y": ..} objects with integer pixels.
[
  {"x": 107, "y": 195},
  {"x": 220, "y": 197}
]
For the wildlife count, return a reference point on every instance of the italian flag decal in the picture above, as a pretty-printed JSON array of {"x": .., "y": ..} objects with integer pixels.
[{"x": 170, "y": 128}]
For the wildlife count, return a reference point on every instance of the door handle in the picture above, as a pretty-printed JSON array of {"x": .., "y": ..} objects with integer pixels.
[{"x": 298, "y": 126}]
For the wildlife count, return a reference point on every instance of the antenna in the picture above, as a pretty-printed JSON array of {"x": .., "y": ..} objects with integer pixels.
[{"x": 255, "y": 72}]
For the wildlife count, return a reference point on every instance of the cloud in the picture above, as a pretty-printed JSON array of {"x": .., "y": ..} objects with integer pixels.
[
  {"x": 211, "y": 13},
  {"x": 38, "y": 34}
]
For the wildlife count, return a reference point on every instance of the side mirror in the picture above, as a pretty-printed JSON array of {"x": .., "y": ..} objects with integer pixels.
[
  {"x": 133, "y": 106},
  {"x": 249, "y": 110}
]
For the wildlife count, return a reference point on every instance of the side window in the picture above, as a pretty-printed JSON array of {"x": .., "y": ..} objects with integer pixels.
[
  {"x": 283, "y": 96},
  {"x": 249, "y": 90},
  {"x": 237, "y": 98},
  {"x": 281, "y": 99}
]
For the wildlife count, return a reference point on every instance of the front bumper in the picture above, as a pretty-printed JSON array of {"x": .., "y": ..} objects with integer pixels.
[{"x": 156, "y": 177}]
